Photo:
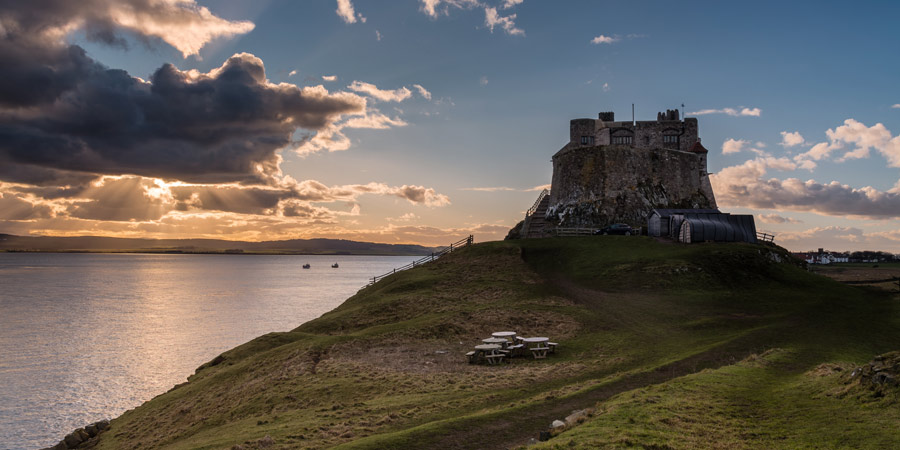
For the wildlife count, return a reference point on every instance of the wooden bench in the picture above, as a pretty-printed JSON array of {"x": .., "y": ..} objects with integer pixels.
[
  {"x": 552, "y": 346},
  {"x": 515, "y": 349},
  {"x": 471, "y": 356},
  {"x": 495, "y": 358},
  {"x": 539, "y": 352}
]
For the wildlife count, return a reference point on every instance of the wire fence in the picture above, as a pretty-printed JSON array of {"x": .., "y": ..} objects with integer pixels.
[{"x": 434, "y": 255}]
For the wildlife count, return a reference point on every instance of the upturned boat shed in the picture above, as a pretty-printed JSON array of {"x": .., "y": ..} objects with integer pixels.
[
  {"x": 701, "y": 225},
  {"x": 658, "y": 220}
]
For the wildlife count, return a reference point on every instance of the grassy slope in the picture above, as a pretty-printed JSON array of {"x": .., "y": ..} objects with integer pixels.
[{"x": 651, "y": 331}]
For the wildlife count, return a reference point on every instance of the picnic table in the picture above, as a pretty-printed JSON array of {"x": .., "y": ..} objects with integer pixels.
[
  {"x": 537, "y": 345},
  {"x": 490, "y": 352},
  {"x": 504, "y": 334},
  {"x": 496, "y": 340}
]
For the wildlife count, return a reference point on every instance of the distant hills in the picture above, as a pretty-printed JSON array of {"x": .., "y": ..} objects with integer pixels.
[{"x": 12, "y": 243}]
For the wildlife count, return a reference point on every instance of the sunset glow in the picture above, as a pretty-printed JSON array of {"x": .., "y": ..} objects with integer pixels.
[{"x": 423, "y": 121}]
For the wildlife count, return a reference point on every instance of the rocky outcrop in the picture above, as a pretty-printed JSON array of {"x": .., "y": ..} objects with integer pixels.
[
  {"x": 515, "y": 232},
  {"x": 596, "y": 186},
  {"x": 880, "y": 374},
  {"x": 82, "y": 437}
]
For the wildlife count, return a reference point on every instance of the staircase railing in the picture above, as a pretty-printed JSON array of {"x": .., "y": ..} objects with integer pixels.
[
  {"x": 537, "y": 203},
  {"x": 526, "y": 225},
  {"x": 434, "y": 255}
]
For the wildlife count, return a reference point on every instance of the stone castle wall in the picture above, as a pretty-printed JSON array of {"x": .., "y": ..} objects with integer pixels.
[
  {"x": 644, "y": 134},
  {"x": 596, "y": 186}
]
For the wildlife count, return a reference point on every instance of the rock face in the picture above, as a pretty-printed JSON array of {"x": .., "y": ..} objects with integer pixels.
[
  {"x": 597, "y": 185},
  {"x": 82, "y": 436},
  {"x": 881, "y": 374}
]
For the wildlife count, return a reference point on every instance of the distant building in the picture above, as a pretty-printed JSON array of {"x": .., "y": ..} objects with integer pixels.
[{"x": 823, "y": 257}]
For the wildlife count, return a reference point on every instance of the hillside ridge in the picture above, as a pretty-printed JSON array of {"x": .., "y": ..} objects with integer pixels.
[{"x": 633, "y": 316}]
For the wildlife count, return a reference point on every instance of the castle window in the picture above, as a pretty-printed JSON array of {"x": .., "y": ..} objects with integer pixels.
[
  {"x": 670, "y": 141},
  {"x": 622, "y": 140},
  {"x": 587, "y": 140}
]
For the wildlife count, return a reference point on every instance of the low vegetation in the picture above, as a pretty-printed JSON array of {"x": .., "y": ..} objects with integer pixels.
[{"x": 670, "y": 346}]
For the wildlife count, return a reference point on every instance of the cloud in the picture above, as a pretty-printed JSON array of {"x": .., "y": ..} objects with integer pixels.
[
  {"x": 734, "y": 146},
  {"x": 21, "y": 207},
  {"x": 408, "y": 217},
  {"x": 856, "y": 139},
  {"x": 751, "y": 112},
  {"x": 605, "y": 87},
  {"x": 745, "y": 185},
  {"x": 221, "y": 126},
  {"x": 85, "y": 149},
  {"x": 422, "y": 91},
  {"x": 420, "y": 194},
  {"x": 132, "y": 198},
  {"x": 489, "y": 189},
  {"x": 791, "y": 139},
  {"x": 396, "y": 95},
  {"x": 483, "y": 81},
  {"x": 492, "y": 19},
  {"x": 333, "y": 139},
  {"x": 183, "y": 24},
  {"x": 539, "y": 188},
  {"x": 346, "y": 13},
  {"x": 507, "y": 4},
  {"x": 329, "y": 77},
  {"x": 604, "y": 40},
  {"x": 433, "y": 8},
  {"x": 777, "y": 219},
  {"x": 896, "y": 106},
  {"x": 378, "y": 35}
]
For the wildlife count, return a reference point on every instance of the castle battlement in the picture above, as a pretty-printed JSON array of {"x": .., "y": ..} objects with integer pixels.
[{"x": 667, "y": 131}]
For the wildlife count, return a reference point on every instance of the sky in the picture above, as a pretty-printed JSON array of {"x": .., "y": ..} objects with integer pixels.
[{"x": 423, "y": 121}]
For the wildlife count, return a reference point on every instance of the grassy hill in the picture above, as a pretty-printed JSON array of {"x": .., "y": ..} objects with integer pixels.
[{"x": 671, "y": 346}]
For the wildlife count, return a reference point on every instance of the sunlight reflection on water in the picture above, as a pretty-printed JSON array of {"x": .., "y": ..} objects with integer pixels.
[{"x": 85, "y": 337}]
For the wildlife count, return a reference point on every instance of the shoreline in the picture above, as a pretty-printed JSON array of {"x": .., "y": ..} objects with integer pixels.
[{"x": 206, "y": 252}]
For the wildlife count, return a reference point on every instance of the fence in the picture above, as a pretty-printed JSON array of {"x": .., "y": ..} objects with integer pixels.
[
  {"x": 765, "y": 237},
  {"x": 560, "y": 231},
  {"x": 435, "y": 255}
]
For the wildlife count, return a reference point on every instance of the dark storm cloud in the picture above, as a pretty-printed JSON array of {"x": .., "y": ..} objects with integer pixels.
[
  {"x": 228, "y": 199},
  {"x": 61, "y": 111},
  {"x": 222, "y": 127}
]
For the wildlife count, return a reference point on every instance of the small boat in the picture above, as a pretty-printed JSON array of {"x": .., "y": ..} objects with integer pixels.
[
  {"x": 334, "y": 266},
  {"x": 306, "y": 266}
]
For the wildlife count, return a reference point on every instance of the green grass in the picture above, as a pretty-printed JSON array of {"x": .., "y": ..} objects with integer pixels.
[{"x": 651, "y": 336}]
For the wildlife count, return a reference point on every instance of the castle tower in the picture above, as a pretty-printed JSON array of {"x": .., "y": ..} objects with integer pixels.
[{"x": 612, "y": 171}]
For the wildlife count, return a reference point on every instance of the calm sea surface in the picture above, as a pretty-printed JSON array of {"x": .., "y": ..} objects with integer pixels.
[{"x": 88, "y": 336}]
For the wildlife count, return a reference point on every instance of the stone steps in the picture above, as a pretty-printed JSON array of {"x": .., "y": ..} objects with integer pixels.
[{"x": 535, "y": 223}]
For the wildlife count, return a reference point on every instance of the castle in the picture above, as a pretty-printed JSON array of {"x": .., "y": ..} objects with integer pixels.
[{"x": 613, "y": 171}]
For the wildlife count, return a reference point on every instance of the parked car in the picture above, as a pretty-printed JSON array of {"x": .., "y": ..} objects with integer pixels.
[{"x": 616, "y": 228}]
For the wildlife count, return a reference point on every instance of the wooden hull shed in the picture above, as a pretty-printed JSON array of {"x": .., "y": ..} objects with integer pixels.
[
  {"x": 716, "y": 227},
  {"x": 659, "y": 219}
]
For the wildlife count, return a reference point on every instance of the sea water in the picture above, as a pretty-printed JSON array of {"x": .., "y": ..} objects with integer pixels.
[{"x": 85, "y": 337}]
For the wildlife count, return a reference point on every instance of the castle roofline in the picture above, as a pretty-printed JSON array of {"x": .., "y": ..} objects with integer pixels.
[{"x": 698, "y": 148}]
